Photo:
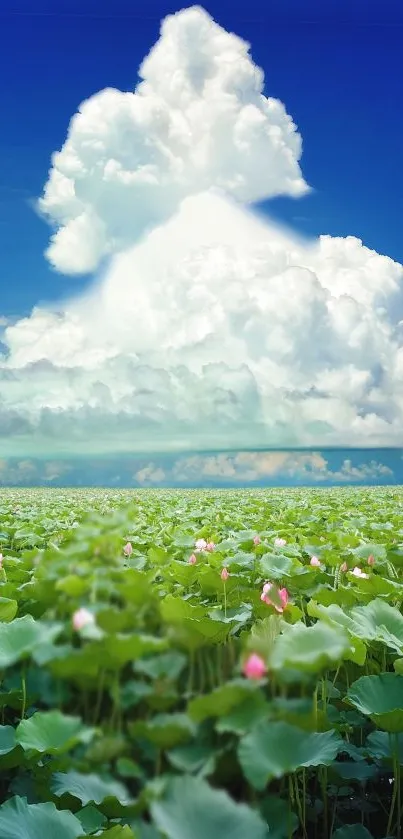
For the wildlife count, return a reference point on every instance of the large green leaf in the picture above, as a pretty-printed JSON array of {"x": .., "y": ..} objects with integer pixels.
[
  {"x": 118, "y": 650},
  {"x": 91, "y": 818},
  {"x": 165, "y": 666},
  {"x": 243, "y": 717},
  {"x": 19, "y": 820},
  {"x": 381, "y": 622},
  {"x": 8, "y": 609},
  {"x": 310, "y": 648},
  {"x": 20, "y": 637},
  {"x": 52, "y": 732},
  {"x": 277, "y": 566},
  {"x": 276, "y": 749},
  {"x": 89, "y": 789},
  {"x": 191, "y": 809},
  {"x": 164, "y": 730},
  {"x": 221, "y": 701},
  {"x": 335, "y": 616},
  {"x": 283, "y": 822},
  {"x": 193, "y": 758},
  {"x": 381, "y": 698},
  {"x": 8, "y": 740},
  {"x": 119, "y": 831},
  {"x": 382, "y": 746}
]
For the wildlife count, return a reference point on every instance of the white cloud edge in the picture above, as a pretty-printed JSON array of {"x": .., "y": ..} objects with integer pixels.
[{"x": 245, "y": 334}]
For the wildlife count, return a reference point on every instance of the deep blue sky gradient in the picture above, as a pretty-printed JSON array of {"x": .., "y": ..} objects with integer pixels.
[{"x": 337, "y": 66}]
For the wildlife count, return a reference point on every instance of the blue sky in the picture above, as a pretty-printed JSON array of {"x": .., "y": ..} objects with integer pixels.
[{"x": 337, "y": 67}]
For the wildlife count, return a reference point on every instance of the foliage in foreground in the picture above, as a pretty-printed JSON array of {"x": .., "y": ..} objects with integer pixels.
[{"x": 154, "y": 685}]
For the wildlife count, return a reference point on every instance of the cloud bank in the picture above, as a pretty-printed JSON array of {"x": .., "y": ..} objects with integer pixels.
[
  {"x": 225, "y": 469},
  {"x": 206, "y": 327}
]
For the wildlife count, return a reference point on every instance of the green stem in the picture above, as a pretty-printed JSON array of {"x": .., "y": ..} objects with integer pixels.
[
  {"x": 291, "y": 802},
  {"x": 24, "y": 694},
  {"x": 191, "y": 671},
  {"x": 315, "y": 707},
  {"x": 323, "y": 783},
  {"x": 335, "y": 677},
  {"x": 100, "y": 690},
  {"x": 115, "y": 720},
  {"x": 202, "y": 674},
  {"x": 210, "y": 670},
  {"x": 299, "y": 806},
  {"x": 393, "y": 801},
  {"x": 324, "y": 696},
  {"x": 396, "y": 795}
]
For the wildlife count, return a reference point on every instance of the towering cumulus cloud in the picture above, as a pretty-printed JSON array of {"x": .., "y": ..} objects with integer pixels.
[
  {"x": 197, "y": 120},
  {"x": 207, "y": 326}
]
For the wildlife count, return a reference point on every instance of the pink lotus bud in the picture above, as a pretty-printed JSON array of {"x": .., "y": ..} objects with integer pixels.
[
  {"x": 254, "y": 667},
  {"x": 210, "y": 547},
  {"x": 343, "y": 567},
  {"x": 200, "y": 545},
  {"x": 224, "y": 575},
  {"x": 82, "y": 617},
  {"x": 256, "y": 540},
  {"x": 192, "y": 559},
  {"x": 128, "y": 549},
  {"x": 1, "y": 561},
  {"x": 283, "y": 594},
  {"x": 315, "y": 562},
  {"x": 371, "y": 560},
  {"x": 279, "y": 543}
]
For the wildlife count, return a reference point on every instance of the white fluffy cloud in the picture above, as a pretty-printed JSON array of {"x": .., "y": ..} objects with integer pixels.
[
  {"x": 150, "y": 474},
  {"x": 210, "y": 327},
  {"x": 198, "y": 119},
  {"x": 28, "y": 472},
  {"x": 265, "y": 466}
]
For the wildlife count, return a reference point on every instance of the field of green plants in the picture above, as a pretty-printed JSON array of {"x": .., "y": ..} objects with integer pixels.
[{"x": 201, "y": 664}]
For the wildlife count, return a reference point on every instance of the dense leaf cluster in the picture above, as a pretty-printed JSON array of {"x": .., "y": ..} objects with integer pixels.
[{"x": 142, "y": 724}]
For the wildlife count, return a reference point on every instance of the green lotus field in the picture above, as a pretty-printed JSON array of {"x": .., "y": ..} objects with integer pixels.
[{"x": 201, "y": 664}]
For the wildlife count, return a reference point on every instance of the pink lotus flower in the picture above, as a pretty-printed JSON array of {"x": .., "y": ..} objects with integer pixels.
[
  {"x": 283, "y": 594},
  {"x": 256, "y": 540},
  {"x": 128, "y": 549},
  {"x": 82, "y": 617},
  {"x": 224, "y": 574},
  {"x": 200, "y": 545},
  {"x": 254, "y": 667},
  {"x": 343, "y": 567},
  {"x": 210, "y": 547},
  {"x": 371, "y": 560},
  {"x": 192, "y": 559},
  {"x": 358, "y": 573},
  {"x": 315, "y": 562},
  {"x": 279, "y": 542}
]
